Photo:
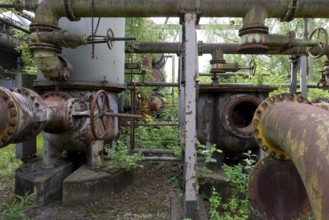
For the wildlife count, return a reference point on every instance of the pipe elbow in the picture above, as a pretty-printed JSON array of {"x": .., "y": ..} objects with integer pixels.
[{"x": 53, "y": 66}]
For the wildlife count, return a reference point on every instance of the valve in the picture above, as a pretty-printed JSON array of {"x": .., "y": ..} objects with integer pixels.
[
  {"x": 108, "y": 39},
  {"x": 320, "y": 36}
]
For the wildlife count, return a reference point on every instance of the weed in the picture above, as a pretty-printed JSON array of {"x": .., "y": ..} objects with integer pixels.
[
  {"x": 18, "y": 209},
  {"x": 120, "y": 157},
  {"x": 238, "y": 207}
]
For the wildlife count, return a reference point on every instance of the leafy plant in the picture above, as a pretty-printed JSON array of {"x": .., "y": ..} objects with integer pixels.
[
  {"x": 121, "y": 158},
  {"x": 207, "y": 154},
  {"x": 238, "y": 206},
  {"x": 18, "y": 209}
]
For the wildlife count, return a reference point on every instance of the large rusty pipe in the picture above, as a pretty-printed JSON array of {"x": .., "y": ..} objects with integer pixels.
[
  {"x": 290, "y": 126},
  {"x": 49, "y": 11},
  {"x": 207, "y": 48}
]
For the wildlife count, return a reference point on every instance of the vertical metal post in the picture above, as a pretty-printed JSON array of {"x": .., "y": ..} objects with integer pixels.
[
  {"x": 308, "y": 28},
  {"x": 190, "y": 159},
  {"x": 293, "y": 73},
  {"x": 303, "y": 76}
]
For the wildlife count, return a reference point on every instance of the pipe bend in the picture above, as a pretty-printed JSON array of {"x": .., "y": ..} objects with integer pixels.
[{"x": 52, "y": 65}]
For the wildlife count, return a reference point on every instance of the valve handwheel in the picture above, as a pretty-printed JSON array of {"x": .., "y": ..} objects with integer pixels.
[
  {"x": 98, "y": 108},
  {"x": 109, "y": 37},
  {"x": 252, "y": 67},
  {"x": 321, "y": 38}
]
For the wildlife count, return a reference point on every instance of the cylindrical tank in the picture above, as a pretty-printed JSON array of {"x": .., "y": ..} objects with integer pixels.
[{"x": 225, "y": 114}]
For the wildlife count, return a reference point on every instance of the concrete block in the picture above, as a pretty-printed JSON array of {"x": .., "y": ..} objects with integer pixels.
[
  {"x": 44, "y": 184},
  {"x": 86, "y": 185}
]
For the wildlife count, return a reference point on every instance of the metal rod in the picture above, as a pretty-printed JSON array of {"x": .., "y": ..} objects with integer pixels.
[
  {"x": 152, "y": 151},
  {"x": 120, "y": 115},
  {"x": 159, "y": 84},
  {"x": 169, "y": 159},
  {"x": 7, "y": 5}
]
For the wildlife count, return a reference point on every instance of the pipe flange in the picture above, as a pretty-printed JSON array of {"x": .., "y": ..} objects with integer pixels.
[
  {"x": 40, "y": 27},
  {"x": 45, "y": 46},
  {"x": 291, "y": 11},
  {"x": 238, "y": 113},
  {"x": 9, "y": 117},
  {"x": 56, "y": 94},
  {"x": 216, "y": 66},
  {"x": 253, "y": 28},
  {"x": 69, "y": 11},
  {"x": 72, "y": 106},
  {"x": 276, "y": 190},
  {"x": 38, "y": 105},
  {"x": 263, "y": 143}
]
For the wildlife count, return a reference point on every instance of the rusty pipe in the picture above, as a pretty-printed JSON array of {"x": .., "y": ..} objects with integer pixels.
[
  {"x": 8, "y": 42},
  {"x": 207, "y": 48},
  {"x": 288, "y": 126}
]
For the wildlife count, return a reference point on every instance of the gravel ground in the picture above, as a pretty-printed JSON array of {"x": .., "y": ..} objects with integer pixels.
[{"x": 148, "y": 197}]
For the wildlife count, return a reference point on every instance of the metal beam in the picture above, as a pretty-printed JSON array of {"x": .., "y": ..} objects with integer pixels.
[{"x": 190, "y": 157}]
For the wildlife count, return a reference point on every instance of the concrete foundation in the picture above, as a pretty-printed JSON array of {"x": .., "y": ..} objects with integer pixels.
[
  {"x": 85, "y": 185},
  {"x": 45, "y": 185}
]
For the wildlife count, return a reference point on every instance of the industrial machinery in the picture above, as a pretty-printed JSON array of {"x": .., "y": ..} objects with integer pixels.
[{"x": 79, "y": 81}]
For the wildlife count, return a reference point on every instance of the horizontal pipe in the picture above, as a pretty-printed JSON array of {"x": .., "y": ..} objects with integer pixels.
[
  {"x": 49, "y": 11},
  {"x": 152, "y": 151},
  {"x": 160, "y": 84},
  {"x": 207, "y": 48},
  {"x": 169, "y": 159},
  {"x": 2, "y": 20},
  {"x": 8, "y": 42},
  {"x": 300, "y": 131}
]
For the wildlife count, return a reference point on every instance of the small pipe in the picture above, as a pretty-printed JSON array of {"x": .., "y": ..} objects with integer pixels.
[
  {"x": 2, "y": 20},
  {"x": 168, "y": 159},
  {"x": 154, "y": 84},
  {"x": 152, "y": 151}
]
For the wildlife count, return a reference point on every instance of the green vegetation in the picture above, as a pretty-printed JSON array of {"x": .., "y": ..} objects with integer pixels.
[
  {"x": 18, "y": 209},
  {"x": 238, "y": 207},
  {"x": 121, "y": 158}
]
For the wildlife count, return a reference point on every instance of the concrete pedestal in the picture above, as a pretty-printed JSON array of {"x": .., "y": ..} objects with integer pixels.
[
  {"x": 45, "y": 185},
  {"x": 86, "y": 185}
]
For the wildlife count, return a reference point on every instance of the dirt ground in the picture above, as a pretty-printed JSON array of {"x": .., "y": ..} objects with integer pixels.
[{"x": 148, "y": 197}]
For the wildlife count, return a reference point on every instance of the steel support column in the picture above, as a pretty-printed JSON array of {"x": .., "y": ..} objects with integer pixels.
[
  {"x": 190, "y": 159},
  {"x": 295, "y": 66},
  {"x": 303, "y": 75}
]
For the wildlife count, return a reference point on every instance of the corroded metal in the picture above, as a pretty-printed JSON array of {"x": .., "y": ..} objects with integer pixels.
[
  {"x": 294, "y": 128},
  {"x": 224, "y": 115},
  {"x": 23, "y": 115},
  {"x": 277, "y": 191}
]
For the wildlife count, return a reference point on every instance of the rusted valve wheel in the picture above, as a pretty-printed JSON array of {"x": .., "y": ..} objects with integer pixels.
[
  {"x": 98, "y": 108},
  {"x": 252, "y": 67},
  {"x": 109, "y": 37},
  {"x": 322, "y": 42}
]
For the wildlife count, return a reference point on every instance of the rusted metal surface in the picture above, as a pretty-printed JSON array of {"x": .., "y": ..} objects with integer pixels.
[
  {"x": 224, "y": 115},
  {"x": 208, "y": 48},
  {"x": 237, "y": 114},
  {"x": 23, "y": 115},
  {"x": 190, "y": 156},
  {"x": 78, "y": 86},
  {"x": 294, "y": 128},
  {"x": 98, "y": 107},
  {"x": 277, "y": 191}
]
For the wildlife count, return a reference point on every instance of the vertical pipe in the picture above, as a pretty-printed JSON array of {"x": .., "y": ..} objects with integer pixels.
[{"x": 190, "y": 67}]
